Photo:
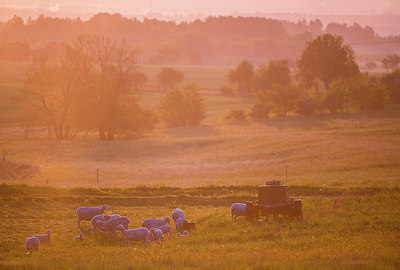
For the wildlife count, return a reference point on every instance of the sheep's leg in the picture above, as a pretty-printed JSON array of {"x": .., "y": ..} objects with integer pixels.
[{"x": 78, "y": 225}]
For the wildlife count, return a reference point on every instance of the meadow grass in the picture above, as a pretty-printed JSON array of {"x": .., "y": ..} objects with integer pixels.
[
  {"x": 322, "y": 151},
  {"x": 363, "y": 232}
]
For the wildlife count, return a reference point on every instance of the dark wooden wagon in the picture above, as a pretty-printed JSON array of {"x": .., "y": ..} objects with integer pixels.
[{"x": 273, "y": 200}]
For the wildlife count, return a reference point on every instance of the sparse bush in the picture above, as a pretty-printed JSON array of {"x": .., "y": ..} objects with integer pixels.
[
  {"x": 306, "y": 106},
  {"x": 182, "y": 107},
  {"x": 392, "y": 83},
  {"x": 261, "y": 111},
  {"x": 169, "y": 77},
  {"x": 336, "y": 98},
  {"x": 236, "y": 115},
  {"x": 226, "y": 91},
  {"x": 361, "y": 92}
]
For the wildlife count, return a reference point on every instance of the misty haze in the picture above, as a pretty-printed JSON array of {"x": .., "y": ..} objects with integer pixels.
[{"x": 199, "y": 134}]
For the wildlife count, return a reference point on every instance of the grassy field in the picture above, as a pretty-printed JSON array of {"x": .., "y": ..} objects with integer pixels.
[
  {"x": 363, "y": 232},
  {"x": 331, "y": 151},
  {"x": 204, "y": 169}
]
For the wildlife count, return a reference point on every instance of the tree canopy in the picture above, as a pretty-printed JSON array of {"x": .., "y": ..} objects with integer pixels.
[
  {"x": 243, "y": 76},
  {"x": 88, "y": 87},
  {"x": 169, "y": 77},
  {"x": 326, "y": 58}
]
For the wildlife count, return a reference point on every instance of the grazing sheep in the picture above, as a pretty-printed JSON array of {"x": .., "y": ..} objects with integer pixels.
[
  {"x": 148, "y": 223},
  {"x": 32, "y": 244},
  {"x": 166, "y": 229},
  {"x": 179, "y": 224},
  {"x": 141, "y": 234},
  {"x": 177, "y": 213},
  {"x": 87, "y": 213},
  {"x": 109, "y": 227},
  {"x": 156, "y": 235},
  {"x": 102, "y": 218},
  {"x": 79, "y": 237},
  {"x": 44, "y": 237},
  {"x": 238, "y": 209}
]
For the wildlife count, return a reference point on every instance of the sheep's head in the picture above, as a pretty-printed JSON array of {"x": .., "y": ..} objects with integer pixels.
[
  {"x": 104, "y": 207},
  {"x": 106, "y": 217},
  {"x": 167, "y": 220},
  {"x": 119, "y": 227},
  {"x": 48, "y": 232},
  {"x": 186, "y": 233}
]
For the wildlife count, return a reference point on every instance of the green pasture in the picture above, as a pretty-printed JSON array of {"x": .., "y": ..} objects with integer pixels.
[{"x": 362, "y": 232}]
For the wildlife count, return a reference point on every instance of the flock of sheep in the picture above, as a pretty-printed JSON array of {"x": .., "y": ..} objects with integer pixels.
[{"x": 151, "y": 230}]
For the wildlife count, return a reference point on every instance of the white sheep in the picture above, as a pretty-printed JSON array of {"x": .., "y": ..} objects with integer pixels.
[
  {"x": 185, "y": 234},
  {"x": 238, "y": 209},
  {"x": 177, "y": 213},
  {"x": 109, "y": 226},
  {"x": 141, "y": 234},
  {"x": 166, "y": 229},
  {"x": 102, "y": 218},
  {"x": 87, "y": 213},
  {"x": 32, "y": 244},
  {"x": 148, "y": 223},
  {"x": 79, "y": 237},
  {"x": 179, "y": 224},
  {"x": 44, "y": 237},
  {"x": 156, "y": 235}
]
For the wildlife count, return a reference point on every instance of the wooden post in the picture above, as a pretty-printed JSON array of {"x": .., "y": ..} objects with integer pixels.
[
  {"x": 97, "y": 171},
  {"x": 286, "y": 172}
]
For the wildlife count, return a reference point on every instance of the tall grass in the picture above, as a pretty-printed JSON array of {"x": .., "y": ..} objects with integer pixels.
[{"x": 363, "y": 232}]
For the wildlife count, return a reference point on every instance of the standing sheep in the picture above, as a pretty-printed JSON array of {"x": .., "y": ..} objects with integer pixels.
[
  {"x": 109, "y": 227},
  {"x": 141, "y": 234},
  {"x": 177, "y": 213},
  {"x": 166, "y": 229},
  {"x": 156, "y": 235},
  {"x": 87, "y": 213},
  {"x": 238, "y": 209},
  {"x": 179, "y": 224},
  {"x": 148, "y": 223},
  {"x": 102, "y": 218},
  {"x": 32, "y": 244},
  {"x": 44, "y": 238}
]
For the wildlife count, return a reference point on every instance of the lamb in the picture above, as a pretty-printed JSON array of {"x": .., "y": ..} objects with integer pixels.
[
  {"x": 166, "y": 229},
  {"x": 185, "y": 234},
  {"x": 109, "y": 227},
  {"x": 79, "y": 237},
  {"x": 179, "y": 224},
  {"x": 87, "y": 213},
  {"x": 102, "y": 218},
  {"x": 44, "y": 238},
  {"x": 32, "y": 243},
  {"x": 238, "y": 209},
  {"x": 156, "y": 222},
  {"x": 177, "y": 213},
  {"x": 141, "y": 234},
  {"x": 156, "y": 235}
]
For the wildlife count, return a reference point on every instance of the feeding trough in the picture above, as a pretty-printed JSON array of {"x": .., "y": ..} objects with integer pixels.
[{"x": 273, "y": 200}]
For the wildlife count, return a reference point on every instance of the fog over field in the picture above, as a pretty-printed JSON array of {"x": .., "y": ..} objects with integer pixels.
[{"x": 383, "y": 16}]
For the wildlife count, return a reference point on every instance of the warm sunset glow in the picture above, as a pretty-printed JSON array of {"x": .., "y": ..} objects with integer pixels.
[{"x": 187, "y": 134}]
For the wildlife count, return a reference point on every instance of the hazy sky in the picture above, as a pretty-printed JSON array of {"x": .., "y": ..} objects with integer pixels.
[{"x": 213, "y": 7}]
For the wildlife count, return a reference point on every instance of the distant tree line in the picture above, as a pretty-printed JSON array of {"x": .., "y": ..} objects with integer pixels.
[
  {"x": 215, "y": 40},
  {"x": 327, "y": 78}
]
